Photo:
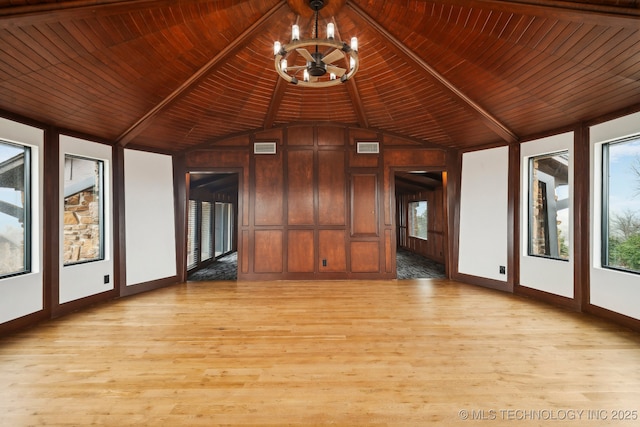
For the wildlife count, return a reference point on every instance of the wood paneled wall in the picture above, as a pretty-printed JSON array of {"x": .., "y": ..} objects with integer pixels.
[{"x": 316, "y": 209}]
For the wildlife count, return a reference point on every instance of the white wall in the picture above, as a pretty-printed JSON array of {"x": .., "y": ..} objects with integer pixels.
[
  {"x": 86, "y": 279},
  {"x": 24, "y": 294},
  {"x": 544, "y": 274},
  {"x": 614, "y": 290},
  {"x": 483, "y": 213},
  {"x": 149, "y": 217}
]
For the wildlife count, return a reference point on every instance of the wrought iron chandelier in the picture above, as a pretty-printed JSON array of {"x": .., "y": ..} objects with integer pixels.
[{"x": 320, "y": 69}]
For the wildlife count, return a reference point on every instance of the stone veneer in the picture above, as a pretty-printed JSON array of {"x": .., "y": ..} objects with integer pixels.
[{"x": 81, "y": 227}]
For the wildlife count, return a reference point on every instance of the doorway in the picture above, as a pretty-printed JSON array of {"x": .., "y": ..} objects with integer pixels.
[
  {"x": 211, "y": 226},
  {"x": 420, "y": 224}
]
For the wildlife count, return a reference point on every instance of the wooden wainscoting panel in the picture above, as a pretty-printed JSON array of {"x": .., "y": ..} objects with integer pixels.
[
  {"x": 332, "y": 249},
  {"x": 388, "y": 251},
  {"x": 331, "y": 188},
  {"x": 363, "y": 160},
  {"x": 270, "y": 135},
  {"x": 365, "y": 257},
  {"x": 268, "y": 189},
  {"x": 217, "y": 158},
  {"x": 300, "y": 187},
  {"x": 364, "y": 204},
  {"x": 267, "y": 251},
  {"x": 300, "y": 251},
  {"x": 300, "y": 135},
  {"x": 330, "y": 135},
  {"x": 244, "y": 252},
  {"x": 413, "y": 157}
]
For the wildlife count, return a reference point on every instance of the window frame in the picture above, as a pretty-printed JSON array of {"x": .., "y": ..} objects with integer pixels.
[
  {"x": 27, "y": 182},
  {"x": 192, "y": 235},
  {"x": 410, "y": 219},
  {"x": 225, "y": 236},
  {"x": 604, "y": 202},
  {"x": 530, "y": 213},
  {"x": 206, "y": 241},
  {"x": 101, "y": 209}
]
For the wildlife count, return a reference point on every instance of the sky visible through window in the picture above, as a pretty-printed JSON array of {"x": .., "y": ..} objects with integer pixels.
[
  {"x": 10, "y": 225},
  {"x": 622, "y": 206},
  {"x": 624, "y": 183}
]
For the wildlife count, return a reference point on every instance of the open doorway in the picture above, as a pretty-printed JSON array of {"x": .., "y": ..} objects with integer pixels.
[
  {"x": 420, "y": 225},
  {"x": 211, "y": 226}
]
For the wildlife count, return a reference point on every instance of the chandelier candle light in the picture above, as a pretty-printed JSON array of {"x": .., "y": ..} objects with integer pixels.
[{"x": 320, "y": 69}]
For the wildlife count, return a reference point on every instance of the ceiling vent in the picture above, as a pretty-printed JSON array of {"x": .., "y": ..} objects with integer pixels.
[
  {"x": 264, "y": 148},
  {"x": 368, "y": 147}
]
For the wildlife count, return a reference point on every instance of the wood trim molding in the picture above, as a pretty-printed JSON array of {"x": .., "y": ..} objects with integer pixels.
[
  {"x": 513, "y": 216},
  {"x": 51, "y": 237},
  {"x": 581, "y": 218},
  {"x": 620, "y": 319},
  {"x": 454, "y": 180},
  {"x": 15, "y": 325},
  {"x": 547, "y": 297},
  {"x": 71, "y": 306},
  {"x": 483, "y": 281},
  {"x": 180, "y": 202},
  {"x": 119, "y": 221},
  {"x": 149, "y": 286}
]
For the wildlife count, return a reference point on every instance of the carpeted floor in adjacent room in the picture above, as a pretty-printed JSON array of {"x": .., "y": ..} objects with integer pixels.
[{"x": 409, "y": 266}]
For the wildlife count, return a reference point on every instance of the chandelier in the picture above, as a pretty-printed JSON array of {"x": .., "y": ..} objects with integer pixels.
[{"x": 320, "y": 69}]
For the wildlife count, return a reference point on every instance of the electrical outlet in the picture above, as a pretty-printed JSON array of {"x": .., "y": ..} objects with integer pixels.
[
  {"x": 503, "y": 269},
  {"x": 106, "y": 279}
]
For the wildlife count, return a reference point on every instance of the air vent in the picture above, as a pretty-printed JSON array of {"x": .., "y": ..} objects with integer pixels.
[
  {"x": 368, "y": 147},
  {"x": 264, "y": 148}
]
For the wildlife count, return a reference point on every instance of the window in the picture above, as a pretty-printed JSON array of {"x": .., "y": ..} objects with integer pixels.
[
  {"x": 209, "y": 231},
  {"x": 621, "y": 204},
  {"x": 549, "y": 205},
  {"x": 224, "y": 228},
  {"x": 418, "y": 219},
  {"x": 83, "y": 210},
  {"x": 206, "y": 232},
  {"x": 14, "y": 209},
  {"x": 192, "y": 236}
]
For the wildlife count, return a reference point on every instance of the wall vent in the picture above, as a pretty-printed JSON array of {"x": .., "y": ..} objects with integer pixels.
[
  {"x": 368, "y": 147},
  {"x": 264, "y": 148}
]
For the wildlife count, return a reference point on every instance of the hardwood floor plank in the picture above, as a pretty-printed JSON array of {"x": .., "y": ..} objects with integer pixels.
[{"x": 351, "y": 353}]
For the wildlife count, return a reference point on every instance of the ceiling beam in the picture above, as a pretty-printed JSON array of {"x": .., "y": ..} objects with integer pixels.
[
  {"x": 133, "y": 131},
  {"x": 487, "y": 118},
  {"x": 354, "y": 93},
  {"x": 356, "y": 101},
  {"x": 278, "y": 94},
  {"x": 276, "y": 101}
]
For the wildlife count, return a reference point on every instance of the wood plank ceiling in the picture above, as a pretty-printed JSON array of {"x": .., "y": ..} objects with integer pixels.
[{"x": 174, "y": 75}]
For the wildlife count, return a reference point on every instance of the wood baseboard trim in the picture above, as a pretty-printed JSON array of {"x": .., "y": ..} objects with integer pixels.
[
  {"x": 553, "y": 299},
  {"x": 24, "y": 322},
  {"x": 75, "y": 305},
  {"x": 126, "y": 291},
  {"x": 620, "y": 319},
  {"x": 483, "y": 281}
]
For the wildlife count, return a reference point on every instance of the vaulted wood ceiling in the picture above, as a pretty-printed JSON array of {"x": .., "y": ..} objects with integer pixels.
[{"x": 174, "y": 75}]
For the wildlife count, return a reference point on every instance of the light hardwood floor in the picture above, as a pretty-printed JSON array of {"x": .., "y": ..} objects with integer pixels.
[{"x": 347, "y": 353}]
